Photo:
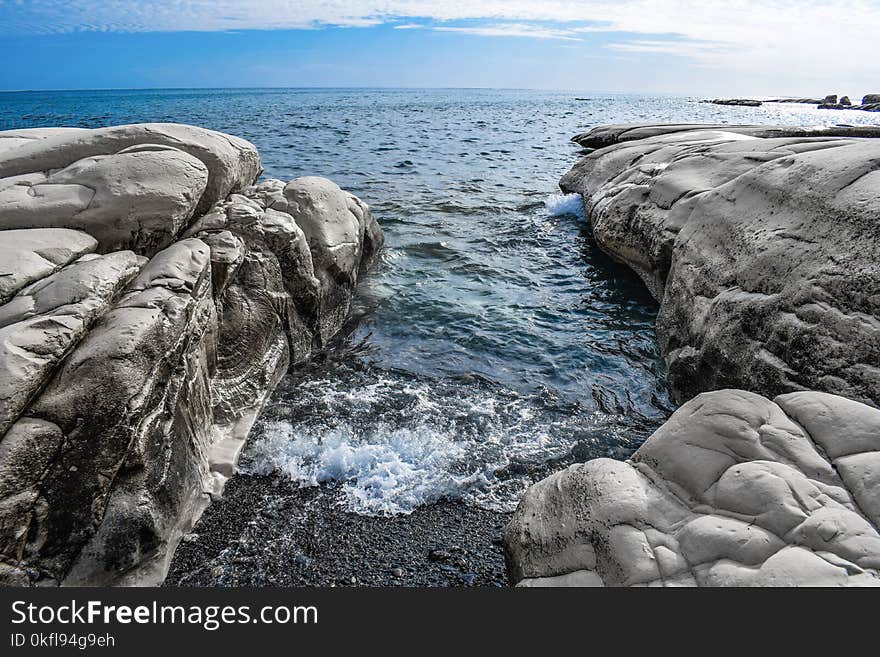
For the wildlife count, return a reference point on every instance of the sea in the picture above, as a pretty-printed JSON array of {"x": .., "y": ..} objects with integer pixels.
[{"x": 493, "y": 343}]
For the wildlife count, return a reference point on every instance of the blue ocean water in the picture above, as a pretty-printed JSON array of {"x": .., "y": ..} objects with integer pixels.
[{"x": 494, "y": 342}]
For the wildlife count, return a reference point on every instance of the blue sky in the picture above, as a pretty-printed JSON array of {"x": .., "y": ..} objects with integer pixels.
[{"x": 735, "y": 47}]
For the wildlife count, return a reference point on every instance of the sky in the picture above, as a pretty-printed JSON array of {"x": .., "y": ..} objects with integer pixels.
[{"x": 692, "y": 47}]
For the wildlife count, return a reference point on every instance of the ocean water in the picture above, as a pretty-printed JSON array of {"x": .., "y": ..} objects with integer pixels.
[{"x": 493, "y": 343}]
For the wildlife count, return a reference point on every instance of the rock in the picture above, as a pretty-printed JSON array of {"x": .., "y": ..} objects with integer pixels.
[
  {"x": 45, "y": 321},
  {"x": 734, "y": 490},
  {"x": 609, "y": 135},
  {"x": 129, "y": 385},
  {"x": 129, "y": 405},
  {"x": 871, "y": 99},
  {"x": 830, "y": 99},
  {"x": 27, "y": 256},
  {"x": 845, "y": 101},
  {"x": 800, "y": 101},
  {"x": 761, "y": 250},
  {"x": 341, "y": 233},
  {"x": 232, "y": 163},
  {"x": 138, "y": 198},
  {"x": 742, "y": 102}
]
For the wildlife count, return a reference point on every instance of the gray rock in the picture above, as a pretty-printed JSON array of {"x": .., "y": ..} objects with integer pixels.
[
  {"x": 761, "y": 250},
  {"x": 845, "y": 101},
  {"x": 741, "y": 102},
  {"x": 45, "y": 321},
  {"x": 128, "y": 389},
  {"x": 341, "y": 234},
  {"x": 830, "y": 99},
  {"x": 130, "y": 406},
  {"x": 232, "y": 162},
  {"x": 608, "y": 135},
  {"x": 26, "y": 256},
  {"x": 871, "y": 99},
  {"x": 734, "y": 490},
  {"x": 138, "y": 198}
]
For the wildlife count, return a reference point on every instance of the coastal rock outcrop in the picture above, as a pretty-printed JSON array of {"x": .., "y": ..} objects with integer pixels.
[
  {"x": 734, "y": 490},
  {"x": 760, "y": 243},
  {"x": 152, "y": 293}
]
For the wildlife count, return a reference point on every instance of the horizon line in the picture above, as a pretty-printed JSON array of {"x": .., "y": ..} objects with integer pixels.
[{"x": 361, "y": 88}]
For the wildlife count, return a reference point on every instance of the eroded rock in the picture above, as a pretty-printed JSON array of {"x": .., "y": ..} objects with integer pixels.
[
  {"x": 763, "y": 251},
  {"x": 130, "y": 384},
  {"x": 734, "y": 490},
  {"x": 138, "y": 198},
  {"x": 27, "y": 256}
]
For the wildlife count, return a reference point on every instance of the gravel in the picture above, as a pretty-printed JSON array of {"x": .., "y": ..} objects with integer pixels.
[{"x": 266, "y": 531}]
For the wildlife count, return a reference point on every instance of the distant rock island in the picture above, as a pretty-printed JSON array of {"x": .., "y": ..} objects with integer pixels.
[{"x": 870, "y": 103}]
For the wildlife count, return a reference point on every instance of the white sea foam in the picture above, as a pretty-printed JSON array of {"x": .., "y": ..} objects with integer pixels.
[
  {"x": 393, "y": 444},
  {"x": 561, "y": 204},
  {"x": 388, "y": 472}
]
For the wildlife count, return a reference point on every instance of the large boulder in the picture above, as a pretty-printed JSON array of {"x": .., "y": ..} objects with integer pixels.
[
  {"x": 232, "y": 162},
  {"x": 45, "y": 321},
  {"x": 734, "y": 490},
  {"x": 871, "y": 99},
  {"x": 129, "y": 403},
  {"x": 138, "y": 198},
  {"x": 608, "y": 135},
  {"x": 763, "y": 252}
]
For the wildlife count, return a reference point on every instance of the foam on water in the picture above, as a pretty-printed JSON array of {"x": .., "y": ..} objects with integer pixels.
[
  {"x": 386, "y": 472},
  {"x": 392, "y": 443},
  {"x": 561, "y": 204}
]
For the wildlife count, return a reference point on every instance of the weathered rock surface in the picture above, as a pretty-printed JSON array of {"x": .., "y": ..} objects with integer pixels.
[
  {"x": 128, "y": 384},
  {"x": 740, "y": 102},
  {"x": 734, "y": 490},
  {"x": 27, "y": 256},
  {"x": 761, "y": 244},
  {"x": 609, "y": 135},
  {"x": 44, "y": 321},
  {"x": 232, "y": 163}
]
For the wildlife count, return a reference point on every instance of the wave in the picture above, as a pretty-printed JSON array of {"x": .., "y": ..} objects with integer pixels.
[{"x": 565, "y": 204}]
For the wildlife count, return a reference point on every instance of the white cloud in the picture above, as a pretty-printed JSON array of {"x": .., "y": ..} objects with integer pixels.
[
  {"x": 818, "y": 38},
  {"x": 513, "y": 30}
]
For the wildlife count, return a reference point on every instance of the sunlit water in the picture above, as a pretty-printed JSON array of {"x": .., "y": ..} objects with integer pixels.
[{"x": 493, "y": 343}]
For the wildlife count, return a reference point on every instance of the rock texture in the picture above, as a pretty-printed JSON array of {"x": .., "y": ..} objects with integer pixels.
[
  {"x": 738, "y": 102},
  {"x": 151, "y": 296},
  {"x": 734, "y": 490},
  {"x": 761, "y": 244}
]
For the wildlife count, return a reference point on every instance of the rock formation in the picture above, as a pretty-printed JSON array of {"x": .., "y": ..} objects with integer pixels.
[
  {"x": 151, "y": 296},
  {"x": 740, "y": 102},
  {"x": 735, "y": 490},
  {"x": 761, "y": 247}
]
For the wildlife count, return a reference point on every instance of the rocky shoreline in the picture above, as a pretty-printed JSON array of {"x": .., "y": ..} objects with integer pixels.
[
  {"x": 153, "y": 292},
  {"x": 153, "y": 295},
  {"x": 761, "y": 245}
]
